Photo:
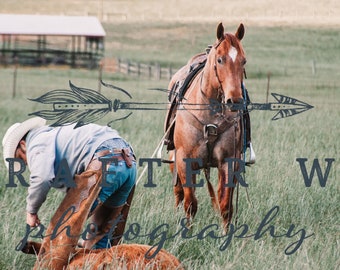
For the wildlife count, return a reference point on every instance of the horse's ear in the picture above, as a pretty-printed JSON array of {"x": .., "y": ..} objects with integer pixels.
[
  {"x": 220, "y": 31},
  {"x": 240, "y": 32}
]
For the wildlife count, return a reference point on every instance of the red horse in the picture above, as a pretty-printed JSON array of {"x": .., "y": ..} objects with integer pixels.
[{"x": 203, "y": 137}]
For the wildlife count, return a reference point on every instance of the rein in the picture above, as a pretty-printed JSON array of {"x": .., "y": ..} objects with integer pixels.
[{"x": 220, "y": 88}]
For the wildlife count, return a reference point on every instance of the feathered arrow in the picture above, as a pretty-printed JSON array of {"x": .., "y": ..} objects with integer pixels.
[
  {"x": 80, "y": 105},
  {"x": 286, "y": 106},
  {"x": 83, "y": 106}
]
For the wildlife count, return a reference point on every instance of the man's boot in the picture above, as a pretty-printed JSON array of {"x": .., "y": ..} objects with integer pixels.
[
  {"x": 110, "y": 223},
  {"x": 104, "y": 222}
]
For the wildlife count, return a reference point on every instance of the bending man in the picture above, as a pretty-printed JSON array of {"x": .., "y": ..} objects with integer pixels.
[{"x": 47, "y": 149}]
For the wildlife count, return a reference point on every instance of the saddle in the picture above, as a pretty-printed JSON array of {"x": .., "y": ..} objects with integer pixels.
[{"x": 176, "y": 95}]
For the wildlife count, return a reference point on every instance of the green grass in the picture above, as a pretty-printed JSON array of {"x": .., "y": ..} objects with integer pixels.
[{"x": 276, "y": 180}]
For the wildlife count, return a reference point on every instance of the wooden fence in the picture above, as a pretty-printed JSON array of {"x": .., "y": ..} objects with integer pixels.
[{"x": 151, "y": 71}]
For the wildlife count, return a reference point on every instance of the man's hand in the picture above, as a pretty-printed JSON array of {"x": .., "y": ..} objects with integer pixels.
[{"x": 32, "y": 220}]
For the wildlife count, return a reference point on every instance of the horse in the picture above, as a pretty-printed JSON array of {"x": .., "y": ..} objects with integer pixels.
[
  {"x": 204, "y": 137},
  {"x": 59, "y": 248}
]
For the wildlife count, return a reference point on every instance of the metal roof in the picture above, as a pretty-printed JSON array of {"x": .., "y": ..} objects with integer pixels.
[{"x": 14, "y": 24}]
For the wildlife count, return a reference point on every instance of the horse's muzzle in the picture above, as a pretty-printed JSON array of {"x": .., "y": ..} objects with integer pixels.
[{"x": 235, "y": 104}]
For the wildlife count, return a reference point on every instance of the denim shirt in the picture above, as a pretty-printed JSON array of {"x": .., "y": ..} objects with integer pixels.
[{"x": 47, "y": 147}]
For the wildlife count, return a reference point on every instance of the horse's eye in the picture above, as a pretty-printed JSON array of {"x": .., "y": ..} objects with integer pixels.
[{"x": 220, "y": 60}]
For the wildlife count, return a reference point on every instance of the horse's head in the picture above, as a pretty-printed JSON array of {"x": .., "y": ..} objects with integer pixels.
[{"x": 226, "y": 62}]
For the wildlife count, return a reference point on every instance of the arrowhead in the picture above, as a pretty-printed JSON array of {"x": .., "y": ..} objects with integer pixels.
[{"x": 294, "y": 106}]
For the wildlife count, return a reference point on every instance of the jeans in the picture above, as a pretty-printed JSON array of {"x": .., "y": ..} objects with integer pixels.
[{"x": 118, "y": 183}]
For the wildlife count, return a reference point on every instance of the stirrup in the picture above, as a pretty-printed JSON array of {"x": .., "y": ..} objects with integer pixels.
[
  {"x": 168, "y": 160},
  {"x": 159, "y": 155},
  {"x": 252, "y": 156}
]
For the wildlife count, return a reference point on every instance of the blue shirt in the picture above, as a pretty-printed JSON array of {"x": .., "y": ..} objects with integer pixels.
[{"x": 47, "y": 146}]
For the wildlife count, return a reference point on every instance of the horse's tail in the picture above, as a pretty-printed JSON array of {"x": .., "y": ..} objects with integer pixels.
[{"x": 211, "y": 190}]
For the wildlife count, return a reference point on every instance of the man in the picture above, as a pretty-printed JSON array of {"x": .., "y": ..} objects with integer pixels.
[{"x": 47, "y": 149}]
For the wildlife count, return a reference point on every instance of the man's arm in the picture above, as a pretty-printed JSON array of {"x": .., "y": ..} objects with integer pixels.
[
  {"x": 32, "y": 219},
  {"x": 40, "y": 159}
]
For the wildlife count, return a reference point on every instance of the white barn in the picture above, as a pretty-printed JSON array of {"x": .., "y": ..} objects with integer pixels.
[{"x": 46, "y": 39}]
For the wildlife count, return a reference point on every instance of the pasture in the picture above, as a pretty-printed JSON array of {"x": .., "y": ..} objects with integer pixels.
[{"x": 303, "y": 63}]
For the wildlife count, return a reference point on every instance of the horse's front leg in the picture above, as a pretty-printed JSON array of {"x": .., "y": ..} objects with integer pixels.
[
  {"x": 187, "y": 187},
  {"x": 178, "y": 189},
  {"x": 225, "y": 196},
  {"x": 179, "y": 192}
]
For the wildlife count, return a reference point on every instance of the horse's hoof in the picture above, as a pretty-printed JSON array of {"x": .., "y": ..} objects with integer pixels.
[{"x": 225, "y": 226}]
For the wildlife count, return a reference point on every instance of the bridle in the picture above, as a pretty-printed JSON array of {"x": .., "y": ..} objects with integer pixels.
[
  {"x": 221, "y": 102},
  {"x": 220, "y": 90}
]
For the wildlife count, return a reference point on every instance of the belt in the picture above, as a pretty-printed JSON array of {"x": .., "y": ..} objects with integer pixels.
[
  {"x": 122, "y": 154},
  {"x": 107, "y": 152}
]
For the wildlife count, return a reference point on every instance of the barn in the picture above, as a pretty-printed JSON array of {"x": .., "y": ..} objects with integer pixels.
[{"x": 35, "y": 40}]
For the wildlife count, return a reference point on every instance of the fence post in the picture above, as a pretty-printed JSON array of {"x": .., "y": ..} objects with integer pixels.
[
  {"x": 128, "y": 67},
  {"x": 268, "y": 85},
  {"x": 15, "y": 76},
  {"x": 100, "y": 75},
  {"x": 158, "y": 71},
  {"x": 313, "y": 67},
  {"x": 170, "y": 73},
  {"x": 149, "y": 68},
  {"x": 119, "y": 62}
]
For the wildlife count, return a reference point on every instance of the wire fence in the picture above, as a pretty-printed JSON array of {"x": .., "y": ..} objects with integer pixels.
[
  {"x": 19, "y": 80},
  {"x": 16, "y": 79}
]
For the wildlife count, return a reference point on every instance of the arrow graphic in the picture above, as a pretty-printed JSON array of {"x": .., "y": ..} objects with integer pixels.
[
  {"x": 286, "y": 106},
  {"x": 83, "y": 106}
]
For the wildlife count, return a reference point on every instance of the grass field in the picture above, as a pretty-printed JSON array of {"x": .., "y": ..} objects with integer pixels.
[{"x": 304, "y": 64}]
